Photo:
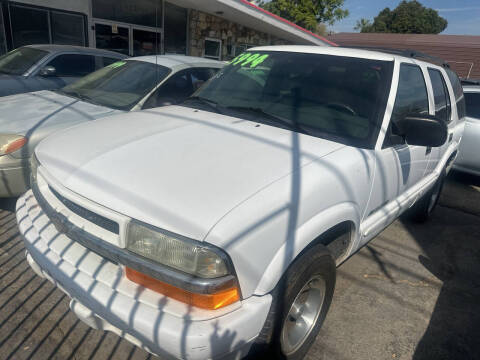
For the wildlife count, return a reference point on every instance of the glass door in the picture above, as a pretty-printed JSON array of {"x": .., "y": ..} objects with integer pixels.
[
  {"x": 112, "y": 37},
  {"x": 128, "y": 39},
  {"x": 146, "y": 42},
  {"x": 3, "y": 40}
]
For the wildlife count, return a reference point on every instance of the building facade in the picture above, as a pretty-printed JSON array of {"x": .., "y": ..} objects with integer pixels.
[{"x": 218, "y": 29}]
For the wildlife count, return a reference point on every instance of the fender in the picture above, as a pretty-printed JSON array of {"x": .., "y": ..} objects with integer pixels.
[{"x": 306, "y": 235}]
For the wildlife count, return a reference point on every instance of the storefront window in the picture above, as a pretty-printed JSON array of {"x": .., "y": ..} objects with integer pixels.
[
  {"x": 68, "y": 29},
  {"x": 114, "y": 39},
  {"x": 29, "y": 26},
  {"x": 213, "y": 49},
  {"x": 44, "y": 26},
  {"x": 138, "y": 12},
  {"x": 239, "y": 49},
  {"x": 3, "y": 40},
  {"x": 175, "y": 29}
]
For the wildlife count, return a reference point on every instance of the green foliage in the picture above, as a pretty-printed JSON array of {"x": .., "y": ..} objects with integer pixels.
[
  {"x": 362, "y": 24},
  {"x": 308, "y": 13},
  {"x": 409, "y": 17}
]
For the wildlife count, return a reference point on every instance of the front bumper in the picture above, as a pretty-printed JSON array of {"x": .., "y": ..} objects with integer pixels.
[
  {"x": 14, "y": 176},
  {"x": 104, "y": 299}
]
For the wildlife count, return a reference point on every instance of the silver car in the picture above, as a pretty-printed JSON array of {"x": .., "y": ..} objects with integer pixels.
[
  {"x": 468, "y": 159},
  {"x": 48, "y": 67},
  {"x": 127, "y": 85}
]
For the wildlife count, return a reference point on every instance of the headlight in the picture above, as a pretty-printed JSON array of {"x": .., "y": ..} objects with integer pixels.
[
  {"x": 34, "y": 164},
  {"x": 10, "y": 143},
  {"x": 173, "y": 251}
]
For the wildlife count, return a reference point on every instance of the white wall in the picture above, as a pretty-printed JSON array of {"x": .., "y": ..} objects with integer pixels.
[{"x": 81, "y": 6}]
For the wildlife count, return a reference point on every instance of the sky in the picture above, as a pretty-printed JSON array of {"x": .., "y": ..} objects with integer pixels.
[{"x": 463, "y": 15}]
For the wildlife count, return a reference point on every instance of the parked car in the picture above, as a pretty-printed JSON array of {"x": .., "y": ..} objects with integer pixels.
[
  {"x": 468, "y": 159},
  {"x": 128, "y": 85},
  {"x": 49, "y": 67},
  {"x": 214, "y": 228}
]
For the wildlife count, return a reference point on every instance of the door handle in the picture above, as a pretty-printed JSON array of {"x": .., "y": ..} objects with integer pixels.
[
  {"x": 450, "y": 137},
  {"x": 428, "y": 151}
]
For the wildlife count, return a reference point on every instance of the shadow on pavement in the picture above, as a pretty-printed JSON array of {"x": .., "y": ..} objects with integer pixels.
[
  {"x": 451, "y": 245},
  {"x": 8, "y": 204}
]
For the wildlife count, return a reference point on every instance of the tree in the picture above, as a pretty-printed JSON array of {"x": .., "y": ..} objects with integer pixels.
[
  {"x": 308, "y": 13},
  {"x": 362, "y": 24},
  {"x": 409, "y": 17},
  {"x": 321, "y": 29}
]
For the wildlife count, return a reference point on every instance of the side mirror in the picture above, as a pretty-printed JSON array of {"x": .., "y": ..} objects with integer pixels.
[
  {"x": 47, "y": 71},
  {"x": 424, "y": 130}
]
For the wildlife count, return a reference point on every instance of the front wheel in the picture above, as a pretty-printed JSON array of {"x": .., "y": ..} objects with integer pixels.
[{"x": 299, "y": 306}]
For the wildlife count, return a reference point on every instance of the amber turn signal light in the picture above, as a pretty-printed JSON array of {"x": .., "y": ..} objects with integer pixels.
[
  {"x": 14, "y": 145},
  {"x": 204, "y": 301}
]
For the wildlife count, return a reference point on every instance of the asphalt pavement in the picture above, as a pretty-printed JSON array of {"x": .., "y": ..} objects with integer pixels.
[{"x": 412, "y": 293}]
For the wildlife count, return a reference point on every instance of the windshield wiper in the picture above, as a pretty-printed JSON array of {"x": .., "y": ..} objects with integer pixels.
[
  {"x": 210, "y": 103},
  {"x": 272, "y": 119},
  {"x": 259, "y": 111}
]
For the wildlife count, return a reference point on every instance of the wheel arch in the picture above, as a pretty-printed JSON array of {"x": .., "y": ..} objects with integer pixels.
[{"x": 338, "y": 223}]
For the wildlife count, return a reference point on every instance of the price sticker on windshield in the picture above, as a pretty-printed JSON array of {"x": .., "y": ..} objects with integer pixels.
[
  {"x": 116, "y": 64},
  {"x": 250, "y": 60}
]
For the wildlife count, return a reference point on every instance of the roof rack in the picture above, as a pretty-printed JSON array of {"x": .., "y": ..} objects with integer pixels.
[
  {"x": 470, "y": 82},
  {"x": 404, "y": 52}
]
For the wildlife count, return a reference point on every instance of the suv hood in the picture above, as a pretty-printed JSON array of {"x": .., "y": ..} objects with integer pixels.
[
  {"x": 176, "y": 168},
  {"x": 23, "y": 113}
]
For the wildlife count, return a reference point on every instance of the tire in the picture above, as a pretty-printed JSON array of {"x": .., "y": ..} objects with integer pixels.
[
  {"x": 312, "y": 273},
  {"x": 423, "y": 208}
]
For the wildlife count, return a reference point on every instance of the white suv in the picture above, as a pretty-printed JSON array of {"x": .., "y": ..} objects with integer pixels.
[{"x": 214, "y": 228}]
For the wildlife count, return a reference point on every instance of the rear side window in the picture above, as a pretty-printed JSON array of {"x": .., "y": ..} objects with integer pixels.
[
  {"x": 440, "y": 94},
  {"x": 412, "y": 96},
  {"x": 74, "y": 65},
  {"x": 458, "y": 92},
  {"x": 473, "y": 104}
]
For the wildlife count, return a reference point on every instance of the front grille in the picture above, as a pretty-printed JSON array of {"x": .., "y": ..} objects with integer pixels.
[
  {"x": 117, "y": 255},
  {"x": 94, "y": 218}
]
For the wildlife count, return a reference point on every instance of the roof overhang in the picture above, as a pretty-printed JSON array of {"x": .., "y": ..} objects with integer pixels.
[{"x": 245, "y": 13}]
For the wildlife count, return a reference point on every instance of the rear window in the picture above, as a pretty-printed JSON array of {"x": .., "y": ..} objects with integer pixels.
[
  {"x": 120, "y": 85},
  {"x": 108, "y": 60},
  {"x": 18, "y": 61}
]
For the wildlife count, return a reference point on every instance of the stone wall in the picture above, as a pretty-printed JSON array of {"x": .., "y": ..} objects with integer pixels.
[{"x": 204, "y": 25}]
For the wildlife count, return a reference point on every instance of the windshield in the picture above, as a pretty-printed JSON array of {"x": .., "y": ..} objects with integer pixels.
[
  {"x": 333, "y": 97},
  {"x": 18, "y": 61},
  {"x": 120, "y": 85}
]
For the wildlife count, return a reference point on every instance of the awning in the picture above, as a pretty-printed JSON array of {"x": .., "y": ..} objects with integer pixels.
[{"x": 245, "y": 13}]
